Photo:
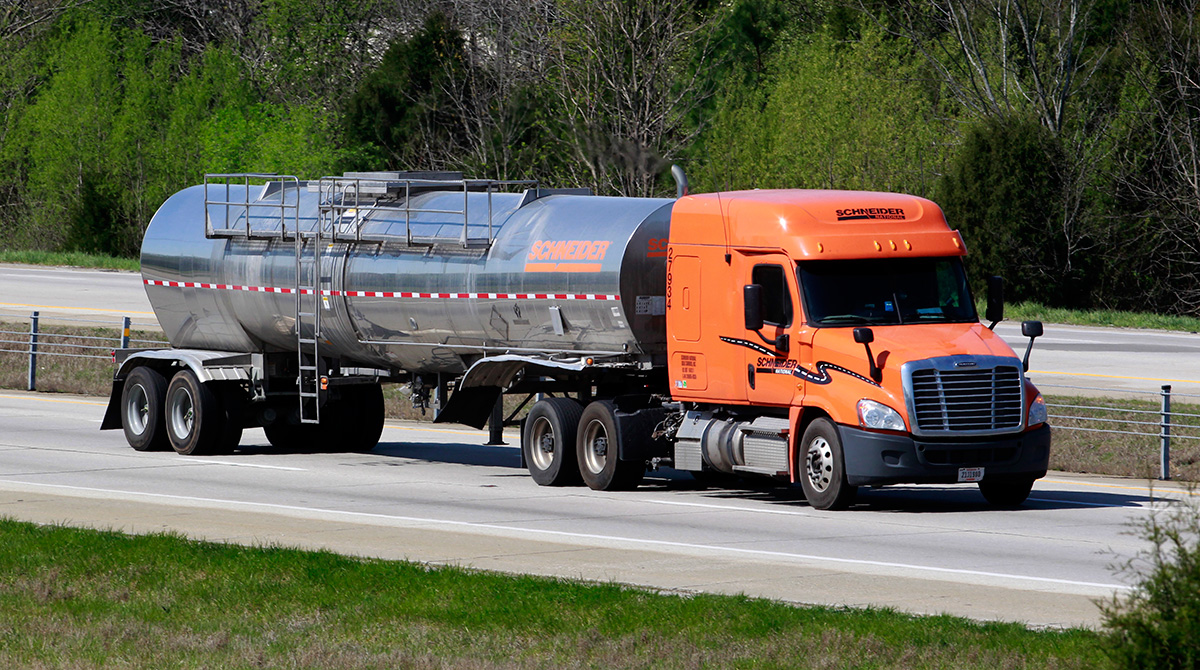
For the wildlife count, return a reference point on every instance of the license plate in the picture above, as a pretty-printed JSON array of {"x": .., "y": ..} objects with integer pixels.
[{"x": 970, "y": 474}]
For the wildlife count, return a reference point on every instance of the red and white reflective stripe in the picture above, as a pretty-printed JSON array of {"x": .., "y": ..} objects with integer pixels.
[{"x": 390, "y": 294}]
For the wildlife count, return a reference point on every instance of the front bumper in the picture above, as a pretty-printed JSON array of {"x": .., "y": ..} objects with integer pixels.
[{"x": 881, "y": 458}]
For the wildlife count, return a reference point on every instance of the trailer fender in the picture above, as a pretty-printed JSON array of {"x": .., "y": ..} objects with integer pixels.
[
  {"x": 206, "y": 365},
  {"x": 475, "y": 393}
]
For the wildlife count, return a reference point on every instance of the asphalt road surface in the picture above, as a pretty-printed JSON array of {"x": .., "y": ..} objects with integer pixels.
[{"x": 438, "y": 495}]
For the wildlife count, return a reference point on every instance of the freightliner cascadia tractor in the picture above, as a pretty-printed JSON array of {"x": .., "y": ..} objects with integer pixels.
[{"x": 821, "y": 337}]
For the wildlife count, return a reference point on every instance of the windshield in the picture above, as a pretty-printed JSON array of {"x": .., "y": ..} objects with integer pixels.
[{"x": 886, "y": 291}]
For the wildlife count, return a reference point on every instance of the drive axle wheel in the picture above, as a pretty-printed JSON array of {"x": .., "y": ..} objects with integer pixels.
[
  {"x": 548, "y": 441},
  {"x": 597, "y": 451},
  {"x": 823, "y": 467}
]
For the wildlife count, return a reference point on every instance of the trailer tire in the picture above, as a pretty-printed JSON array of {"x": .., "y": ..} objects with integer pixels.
[
  {"x": 142, "y": 398},
  {"x": 290, "y": 436},
  {"x": 548, "y": 441},
  {"x": 1006, "y": 492},
  {"x": 822, "y": 467},
  {"x": 360, "y": 414},
  {"x": 196, "y": 420},
  {"x": 596, "y": 450}
]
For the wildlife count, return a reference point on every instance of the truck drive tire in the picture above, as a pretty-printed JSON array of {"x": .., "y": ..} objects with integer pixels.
[
  {"x": 1006, "y": 492},
  {"x": 197, "y": 421},
  {"x": 822, "y": 467},
  {"x": 548, "y": 441},
  {"x": 142, "y": 400},
  {"x": 596, "y": 451}
]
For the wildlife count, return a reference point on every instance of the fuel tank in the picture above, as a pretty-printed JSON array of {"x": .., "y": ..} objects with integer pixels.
[{"x": 422, "y": 279}]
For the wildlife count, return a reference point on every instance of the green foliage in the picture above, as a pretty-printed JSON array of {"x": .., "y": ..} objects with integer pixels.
[
  {"x": 400, "y": 109},
  {"x": 1158, "y": 625},
  {"x": 827, "y": 119},
  {"x": 1003, "y": 192},
  {"x": 120, "y": 122}
]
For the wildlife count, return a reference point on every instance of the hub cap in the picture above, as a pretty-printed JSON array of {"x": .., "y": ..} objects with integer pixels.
[{"x": 819, "y": 464}]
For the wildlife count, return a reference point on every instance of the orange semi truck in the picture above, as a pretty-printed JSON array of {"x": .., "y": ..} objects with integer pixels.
[
  {"x": 825, "y": 338},
  {"x": 855, "y": 332}
]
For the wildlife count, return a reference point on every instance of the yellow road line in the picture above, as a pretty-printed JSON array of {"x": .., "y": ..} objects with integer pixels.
[
  {"x": 44, "y": 399},
  {"x": 1143, "y": 489},
  {"x": 83, "y": 309},
  {"x": 1091, "y": 374}
]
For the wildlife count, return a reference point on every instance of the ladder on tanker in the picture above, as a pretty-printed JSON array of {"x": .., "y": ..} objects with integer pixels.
[{"x": 309, "y": 298}]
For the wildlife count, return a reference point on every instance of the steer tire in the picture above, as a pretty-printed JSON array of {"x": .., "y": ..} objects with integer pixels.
[
  {"x": 142, "y": 400},
  {"x": 548, "y": 441},
  {"x": 1006, "y": 492},
  {"x": 822, "y": 467}
]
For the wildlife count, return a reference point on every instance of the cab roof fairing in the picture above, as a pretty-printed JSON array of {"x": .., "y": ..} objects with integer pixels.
[{"x": 817, "y": 224}]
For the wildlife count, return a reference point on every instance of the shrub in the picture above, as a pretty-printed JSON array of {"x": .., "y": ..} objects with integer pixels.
[{"x": 1158, "y": 625}]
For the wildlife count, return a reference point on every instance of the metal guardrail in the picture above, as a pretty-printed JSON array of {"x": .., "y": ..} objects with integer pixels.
[
  {"x": 35, "y": 343},
  {"x": 1134, "y": 427}
]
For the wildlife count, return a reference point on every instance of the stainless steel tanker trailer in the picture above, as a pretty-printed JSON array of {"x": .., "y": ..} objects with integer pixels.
[{"x": 287, "y": 304}]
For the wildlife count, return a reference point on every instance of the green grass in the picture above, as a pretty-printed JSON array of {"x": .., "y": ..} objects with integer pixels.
[
  {"x": 1023, "y": 311},
  {"x": 71, "y": 258},
  {"x": 74, "y": 598}
]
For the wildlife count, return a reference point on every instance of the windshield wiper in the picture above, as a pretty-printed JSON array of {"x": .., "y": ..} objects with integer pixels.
[{"x": 846, "y": 318}]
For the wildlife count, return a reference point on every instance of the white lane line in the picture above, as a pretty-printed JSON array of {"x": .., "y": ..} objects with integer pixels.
[
  {"x": 730, "y": 508},
  {"x": 586, "y": 536},
  {"x": 1060, "y": 501},
  {"x": 244, "y": 465}
]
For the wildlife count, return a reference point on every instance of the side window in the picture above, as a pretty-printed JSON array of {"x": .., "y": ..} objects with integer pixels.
[{"x": 777, "y": 300}]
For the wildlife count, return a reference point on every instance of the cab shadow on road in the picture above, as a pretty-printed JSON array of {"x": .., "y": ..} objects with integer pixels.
[{"x": 928, "y": 499}]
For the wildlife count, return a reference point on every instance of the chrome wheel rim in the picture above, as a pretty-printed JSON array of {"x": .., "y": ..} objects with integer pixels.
[
  {"x": 183, "y": 413},
  {"x": 819, "y": 464},
  {"x": 595, "y": 447},
  {"x": 137, "y": 409},
  {"x": 541, "y": 448}
]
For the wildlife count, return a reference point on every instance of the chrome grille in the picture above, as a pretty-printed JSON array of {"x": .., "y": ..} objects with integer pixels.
[{"x": 974, "y": 400}]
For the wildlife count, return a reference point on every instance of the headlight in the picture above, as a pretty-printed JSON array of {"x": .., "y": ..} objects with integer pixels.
[
  {"x": 1037, "y": 411},
  {"x": 878, "y": 416}
]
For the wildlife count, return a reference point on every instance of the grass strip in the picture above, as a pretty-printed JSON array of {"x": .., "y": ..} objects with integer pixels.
[
  {"x": 69, "y": 258},
  {"x": 77, "y": 598}
]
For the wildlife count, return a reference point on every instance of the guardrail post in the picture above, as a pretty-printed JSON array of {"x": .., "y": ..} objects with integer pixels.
[
  {"x": 33, "y": 342},
  {"x": 1165, "y": 457},
  {"x": 124, "y": 332},
  {"x": 496, "y": 423}
]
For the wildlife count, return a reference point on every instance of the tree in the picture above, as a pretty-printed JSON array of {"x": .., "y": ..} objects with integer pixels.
[
  {"x": 1003, "y": 191},
  {"x": 626, "y": 77}
]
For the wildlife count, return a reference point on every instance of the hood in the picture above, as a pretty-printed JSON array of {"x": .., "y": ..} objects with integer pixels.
[{"x": 896, "y": 345}]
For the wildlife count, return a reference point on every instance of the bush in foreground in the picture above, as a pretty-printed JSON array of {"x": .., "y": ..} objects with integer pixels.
[{"x": 1158, "y": 626}]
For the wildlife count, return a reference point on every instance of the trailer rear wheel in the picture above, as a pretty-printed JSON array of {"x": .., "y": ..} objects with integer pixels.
[
  {"x": 823, "y": 467},
  {"x": 196, "y": 420},
  {"x": 1006, "y": 492},
  {"x": 142, "y": 400},
  {"x": 548, "y": 441},
  {"x": 597, "y": 452},
  {"x": 361, "y": 414}
]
